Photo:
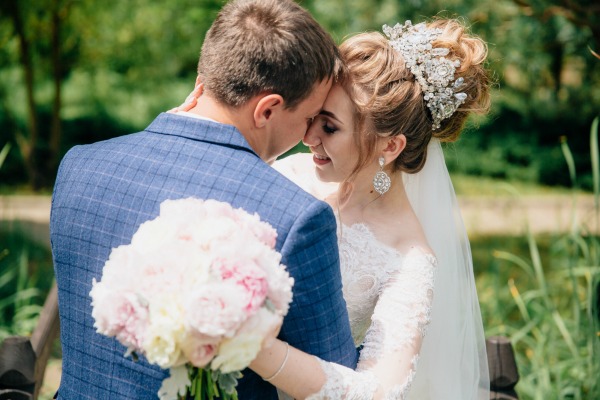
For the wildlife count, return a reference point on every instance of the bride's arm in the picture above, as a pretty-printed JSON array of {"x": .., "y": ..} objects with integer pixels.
[
  {"x": 301, "y": 374},
  {"x": 389, "y": 358}
]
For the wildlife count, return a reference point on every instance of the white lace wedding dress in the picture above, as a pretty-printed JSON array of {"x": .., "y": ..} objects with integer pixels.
[{"x": 389, "y": 297}]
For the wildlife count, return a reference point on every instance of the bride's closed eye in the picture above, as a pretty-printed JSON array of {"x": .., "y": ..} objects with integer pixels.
[
  {"x": 329, "y": 129},
  {"x": 327, "y": 126}
]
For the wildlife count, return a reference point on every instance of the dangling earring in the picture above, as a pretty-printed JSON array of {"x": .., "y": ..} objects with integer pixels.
[{"x": 381, "y": 181}]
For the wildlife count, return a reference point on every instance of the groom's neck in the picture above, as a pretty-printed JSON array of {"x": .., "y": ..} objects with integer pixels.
[
  {"x": 207, "y": 107},
  {"x": 240, "y": 117}
]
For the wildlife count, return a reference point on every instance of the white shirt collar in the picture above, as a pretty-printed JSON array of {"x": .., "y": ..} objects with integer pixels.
[{"x": 192, "y": 115}]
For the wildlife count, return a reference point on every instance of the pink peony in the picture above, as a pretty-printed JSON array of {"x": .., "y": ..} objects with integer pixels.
[
  {"x": 199, "y": 349},
  {"x": 122, "y": 315},
  {"x": 251, "y": 278},
  {"x": 216, "y": 310}
]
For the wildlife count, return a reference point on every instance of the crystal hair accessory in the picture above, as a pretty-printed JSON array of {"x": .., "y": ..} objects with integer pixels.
[{"x": 431, "y": 68}]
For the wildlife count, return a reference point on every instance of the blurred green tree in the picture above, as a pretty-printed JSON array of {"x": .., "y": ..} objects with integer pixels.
[
  {"x": 78, "y": 71},
  {"x": 72, "y": 67}
]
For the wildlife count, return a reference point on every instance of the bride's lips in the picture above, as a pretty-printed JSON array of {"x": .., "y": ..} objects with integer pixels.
[{"x": 320, "y": 160}]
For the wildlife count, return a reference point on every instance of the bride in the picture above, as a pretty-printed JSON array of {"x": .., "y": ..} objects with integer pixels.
[
  {"x": 405, "y": 257},
  {"x": 406, "y": 262}
]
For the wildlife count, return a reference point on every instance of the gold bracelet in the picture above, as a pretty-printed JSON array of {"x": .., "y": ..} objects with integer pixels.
[{"x": 287, "y": 353}]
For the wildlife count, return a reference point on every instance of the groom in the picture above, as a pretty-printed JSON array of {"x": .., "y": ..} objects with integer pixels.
[{"x": 266, "y": 66}]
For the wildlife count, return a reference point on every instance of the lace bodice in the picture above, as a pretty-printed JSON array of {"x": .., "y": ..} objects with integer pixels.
[
  {"x": 368, "y": 266},
  {"x": 389, "y": 297}
]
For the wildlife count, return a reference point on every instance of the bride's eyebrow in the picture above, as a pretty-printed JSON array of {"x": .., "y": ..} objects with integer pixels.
[{"x": 330, "y": 115}]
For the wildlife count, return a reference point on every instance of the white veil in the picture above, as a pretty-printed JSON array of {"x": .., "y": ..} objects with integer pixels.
[{"x": 453, "y": 361}]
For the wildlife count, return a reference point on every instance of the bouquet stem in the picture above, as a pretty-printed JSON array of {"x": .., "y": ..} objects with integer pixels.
[{"x": 205, "y": 385}]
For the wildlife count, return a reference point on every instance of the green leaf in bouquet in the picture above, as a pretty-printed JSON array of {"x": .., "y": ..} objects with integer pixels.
[
  {"x": 213, "y": 385},
  {"x": 269, "y": 305},
  {"x": 133, "y": 354},
  {"x": 228, "y": 382}
]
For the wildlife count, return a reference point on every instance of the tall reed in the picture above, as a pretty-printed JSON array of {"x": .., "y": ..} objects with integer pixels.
[{"x": 20, "y": 298}]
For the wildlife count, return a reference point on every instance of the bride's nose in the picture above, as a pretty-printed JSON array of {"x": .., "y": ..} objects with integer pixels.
[{"x": 311, "y": 137}]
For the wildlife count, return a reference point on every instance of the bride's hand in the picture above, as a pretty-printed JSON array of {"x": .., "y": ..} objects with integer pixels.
[
  {"x": 271, "y": 336},
  {"x": 272, "y": 357},
  {"x": 263, "y": 358},
  {"x": 190, "y": 101}
]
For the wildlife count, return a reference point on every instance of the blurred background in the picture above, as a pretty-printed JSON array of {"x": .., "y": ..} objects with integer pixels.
[{"x": 79, "y": 71}]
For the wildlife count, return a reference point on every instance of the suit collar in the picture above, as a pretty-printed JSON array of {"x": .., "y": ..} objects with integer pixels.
[{"x": 201, "y": 130}]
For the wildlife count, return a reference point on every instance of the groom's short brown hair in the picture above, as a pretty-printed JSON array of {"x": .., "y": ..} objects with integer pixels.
[{"x": 265, "y": 46}]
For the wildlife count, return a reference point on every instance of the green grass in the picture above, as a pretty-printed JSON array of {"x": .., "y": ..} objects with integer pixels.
[
  {"x": 26, "y": 275},
  {"x": 542, "y": 292},
  {"x": 518, "y": 300},
  {"x": 468, "y": 185},
  {"x": 546, "y": 360},
  {"x": 23, "y": 189}
]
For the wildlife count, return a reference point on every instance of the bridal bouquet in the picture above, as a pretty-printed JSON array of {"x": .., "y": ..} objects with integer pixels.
[{"x": 196, "y": 291}]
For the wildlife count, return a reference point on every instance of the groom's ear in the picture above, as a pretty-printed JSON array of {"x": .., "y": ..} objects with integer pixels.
[
  {"x": 266, "y": 107},
  {"x": 393, "y": 146}
]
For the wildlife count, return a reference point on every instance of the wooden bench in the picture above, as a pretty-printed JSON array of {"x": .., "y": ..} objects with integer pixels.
[{"x": 23, "y": 360}]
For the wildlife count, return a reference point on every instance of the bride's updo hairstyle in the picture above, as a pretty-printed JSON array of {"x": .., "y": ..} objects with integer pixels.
[{"x": 389, "y": 100}]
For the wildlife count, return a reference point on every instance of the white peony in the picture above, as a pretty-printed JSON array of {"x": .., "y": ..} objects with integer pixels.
[
  {"x": 238, "y": 352},
  {"x": 165, "y": 332}
]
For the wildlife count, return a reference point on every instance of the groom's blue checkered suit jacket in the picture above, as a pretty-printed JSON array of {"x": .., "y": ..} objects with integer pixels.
[{"x": 104, "y": 191}]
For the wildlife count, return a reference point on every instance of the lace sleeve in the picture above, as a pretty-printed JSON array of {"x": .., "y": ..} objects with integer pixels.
[{"x": 388, "y": 361}]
